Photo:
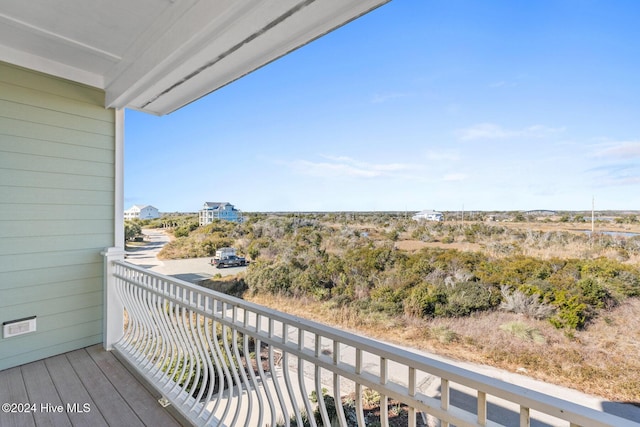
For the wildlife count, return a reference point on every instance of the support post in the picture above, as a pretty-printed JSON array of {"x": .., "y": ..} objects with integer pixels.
[{"x": 113, "y": 312}]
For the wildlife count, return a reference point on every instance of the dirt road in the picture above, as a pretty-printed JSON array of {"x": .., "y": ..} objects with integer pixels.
[{"x": 191, "y": 270}]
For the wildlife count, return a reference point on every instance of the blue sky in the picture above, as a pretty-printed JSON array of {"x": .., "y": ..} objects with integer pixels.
[{"x": 421, "y": 104}]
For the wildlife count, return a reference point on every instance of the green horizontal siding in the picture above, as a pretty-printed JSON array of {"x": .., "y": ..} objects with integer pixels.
[
  {"x": 43, "y": 84},
  {"x": 47, "y": 244},
  {"x": 57, "y": 178},
  {"x": 53, "y": 165},
  {"x": 54, "y": 196},
  {"x": 40, "y": 212},
  {"x": 53, "y": 118},
  {"x": 26, "y": 294},
  {"x": 48, "y": 276},
  {"x": 53, "y": 150},
  {"x": 20, "y": 95},
  {"x": 19, "y": 262},
  {"x": 56, "y": 228},
  {"x": 42, "y": 132}
]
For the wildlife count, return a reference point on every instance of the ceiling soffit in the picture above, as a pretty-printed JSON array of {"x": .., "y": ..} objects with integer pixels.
[{"x": 159, "y": 55}]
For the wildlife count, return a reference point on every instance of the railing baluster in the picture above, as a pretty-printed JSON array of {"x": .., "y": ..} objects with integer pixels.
[
  {"x": 524, "y": 417},
  {"x": 194, "y": 353},
  {"x": 254, "y": 387},
  {"x": 384, "y": 399},
  {"x": 274, "y": 375},
  {"x": 245, "y": 389},
  {"x": 411, "y": 390},
  {"x": 337, "y": 395},
  {"x": 171, "y": 353},
  {"x": 208, "y": 380},
  {"x": 217, "y": 384},
  {"x": 225, "y": 384},
  {"x": 358, "y": 391},
  {"x": 301, "y": 384},
  {"x": 482, "y": 408},
  {"x": 234, "y": 381},
  {"x": 261, "y": 373},
  {"x": 318, "y": 383},
  {"x": 156, "y": 332},
  {"x": 287, "y": 378},
  {"x": 444, "y": 398},
  {"x": 181, "y": 322}
]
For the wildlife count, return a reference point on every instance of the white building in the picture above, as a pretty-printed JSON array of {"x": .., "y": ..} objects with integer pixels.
[
  {"x": 219, "y": 210},
  {"x": 430, "y": 215},
  {"x": 141, "y": 212}
]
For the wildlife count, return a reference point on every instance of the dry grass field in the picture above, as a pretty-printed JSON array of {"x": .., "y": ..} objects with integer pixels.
[{"x": 533, "y": 243}]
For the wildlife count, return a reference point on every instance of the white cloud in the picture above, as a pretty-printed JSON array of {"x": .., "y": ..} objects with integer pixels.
[
  {"x": 493, "y": 131},
  {"x": 347, "y": 167},
  {"x": 617, "y": 163},
  {"x": 619, "y": 150},
  {"x": 615, "y": 174}
]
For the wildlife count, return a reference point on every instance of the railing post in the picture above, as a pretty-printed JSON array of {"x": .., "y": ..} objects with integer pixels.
[{"x": 113, "y": 310}]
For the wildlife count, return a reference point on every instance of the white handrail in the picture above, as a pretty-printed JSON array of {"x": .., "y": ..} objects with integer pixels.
[{"x": 224, "y": 361}]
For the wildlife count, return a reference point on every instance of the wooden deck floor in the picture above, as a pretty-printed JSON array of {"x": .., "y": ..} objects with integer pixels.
[{"x": 87, "y": 387}]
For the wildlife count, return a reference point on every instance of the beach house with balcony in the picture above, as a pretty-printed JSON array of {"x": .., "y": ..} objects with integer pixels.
[
  {"x": 141, "y": 212},
  {"x": 68, "y": 71},
  {"x": 223, "y": 211}
]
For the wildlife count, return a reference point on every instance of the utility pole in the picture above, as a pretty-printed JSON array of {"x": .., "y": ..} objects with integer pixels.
[{"x": 593, "y": 214}]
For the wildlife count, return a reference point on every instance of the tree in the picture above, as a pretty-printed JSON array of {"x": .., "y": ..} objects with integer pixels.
[{"x": 131, "y": 230}]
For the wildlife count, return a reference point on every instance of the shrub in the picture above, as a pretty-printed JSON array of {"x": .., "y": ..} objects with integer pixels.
[
  {"x": 386, "y": 299},
  {"x": 594, "y": 294},
  {"x": 466, "y": 298},
  {"x": 572, "y": 314},
  {"x": 370, "y": 397},
  {"x": 422, "y": 300},
  {"x": 530, "y": 305},
  {"x": 181, "y": 232},
  {"x": 626, "y": 284},
  {"x": 269, "y": 278}
]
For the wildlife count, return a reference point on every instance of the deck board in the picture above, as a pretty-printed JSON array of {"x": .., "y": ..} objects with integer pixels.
[
  {"x": 71, "y": 390},
  {"x": 44, "y": 395},
  {"x": 12, "y": 390},
  {"x": 141, "y": 401},
  {"x": 91, "y": 376}
]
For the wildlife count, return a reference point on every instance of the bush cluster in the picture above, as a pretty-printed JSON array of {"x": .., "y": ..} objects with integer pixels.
[
  {"x": 376, "y": 277},
  {"x": 336, "y": 258}
]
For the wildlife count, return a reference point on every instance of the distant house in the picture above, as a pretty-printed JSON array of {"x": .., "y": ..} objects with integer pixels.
[
  {"x": 219, "y": 210},
  {"x": 428, "y": 216},
  {"x": 141, "y": 212}
]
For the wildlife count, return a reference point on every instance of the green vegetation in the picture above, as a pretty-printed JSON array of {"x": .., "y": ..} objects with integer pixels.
[
  {"x": 447, "y": 283},
  {"x": 353, "y": 261},
  {"x": 132, "y": 229}
]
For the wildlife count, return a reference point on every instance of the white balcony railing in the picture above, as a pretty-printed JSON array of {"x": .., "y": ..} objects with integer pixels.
[{"x": 223, "y": 361}]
